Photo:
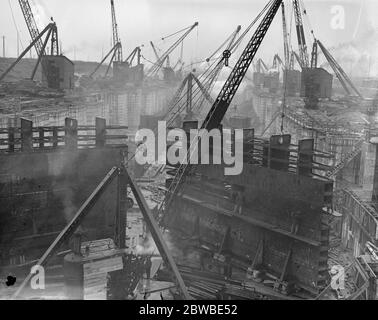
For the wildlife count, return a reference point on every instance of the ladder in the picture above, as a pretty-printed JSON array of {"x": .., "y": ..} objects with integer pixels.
[{"x": 346, "y": 159}]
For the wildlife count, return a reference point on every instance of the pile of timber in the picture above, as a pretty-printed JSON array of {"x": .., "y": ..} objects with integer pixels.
[
  {"x": 204, "y": 285},
  {"x": 99, "y": 263},
  {"x": 339, "y": 257}
]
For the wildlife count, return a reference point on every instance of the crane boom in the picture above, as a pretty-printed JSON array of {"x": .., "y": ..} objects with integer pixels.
[
  {"x": 277, "y": 61},
  {"x": 156, "y": 67},
  {"x": 225, "y": 97},
  {"x": 230, "y": 40},
  {"x": 303, "y": 54},
  {"x": 118, "y": 57},
  {"x": 214, "y": 74},
  {"x": 32, "y": 26},
  {"x": 285, "y": 37},
  {"x": 261, "y": 66},
  {"x": 339, "y": 71},
  {"x": 314, "y": 55},
  {"x": 155, "y": 51}
]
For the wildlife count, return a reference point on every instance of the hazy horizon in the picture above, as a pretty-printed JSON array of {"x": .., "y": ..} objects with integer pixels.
[{"x": 85, "y": 25}]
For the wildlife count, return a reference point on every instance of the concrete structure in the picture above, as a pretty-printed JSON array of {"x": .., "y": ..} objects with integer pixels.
[
  {"x": 270, "y": 81},
  {"x": 277, "y": 228},
  {"x": 316, "y": 83},
  {"x": 124, "y": 73},
  {"x": 58, "y": 72},
  {"x": 292, "y": 82},
  {"x": 45, "y": 176}
]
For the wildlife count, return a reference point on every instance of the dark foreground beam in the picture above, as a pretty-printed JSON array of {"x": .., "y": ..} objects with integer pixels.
[
  {"x": 72, "y": 226},
  {"x": 157, "y": 236}
]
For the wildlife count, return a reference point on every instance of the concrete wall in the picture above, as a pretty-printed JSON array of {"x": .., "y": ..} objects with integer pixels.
[
  {"x": 271, "y": 196},
  {"x": 317, "y": 83},
  {"x": 58, "y": 72},
  {"x": 44, "y": 190}
]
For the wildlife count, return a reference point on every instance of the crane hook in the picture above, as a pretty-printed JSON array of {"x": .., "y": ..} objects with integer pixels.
[{"x": 226, "y": 56}]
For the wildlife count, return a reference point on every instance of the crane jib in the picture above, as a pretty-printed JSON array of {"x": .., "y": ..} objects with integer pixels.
[
  {"x": 220, "y": 107},
  {"x": 222, "y": 103}
]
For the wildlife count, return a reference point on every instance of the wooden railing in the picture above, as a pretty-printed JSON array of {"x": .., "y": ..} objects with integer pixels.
[{"x": 27, "y": 138}]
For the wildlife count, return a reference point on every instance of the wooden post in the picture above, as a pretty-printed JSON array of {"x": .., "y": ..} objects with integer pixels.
[
  {"x": 121, "y": 218},
  {"x": 41, "y": 138},
  {"x": 26, "y": 135},
  {"x": 100, "y": 132},
  {"x": 55, "y": 137},
  {"x": 71, "y": 133},
  {"x": 11, "y": 140},
  {"x": 305, "y": 157}
]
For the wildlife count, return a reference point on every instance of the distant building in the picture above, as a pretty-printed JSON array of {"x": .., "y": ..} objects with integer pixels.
[
  {"x": 292, "y": 82},
  {"x": 58, "y": 72},
  {"x": 123, "y": 72},
  {"x": 316, "y": 83}
]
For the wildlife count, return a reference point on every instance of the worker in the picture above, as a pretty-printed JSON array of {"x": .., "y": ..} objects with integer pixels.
[
  {"x": 239, "y": 202},
  {"x": 228, "y": 268},
  {"x": 148, "y": 266},
  {"x": 147, "y": 271},
  {"x": 295, "y": 216}
]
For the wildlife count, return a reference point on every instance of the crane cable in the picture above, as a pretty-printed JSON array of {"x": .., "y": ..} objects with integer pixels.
[
  {"x": 173, "y": 34},
  {"x": 15, "y": 25},
  {"x": 234, "y": 47},
  {"x": 307, "y": 19}
]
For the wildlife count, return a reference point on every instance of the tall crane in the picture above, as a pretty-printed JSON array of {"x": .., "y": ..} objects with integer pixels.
[
  {"x": 157, "y": 66},
  {"x": 261, "y": 67},
  {"x": 158, "y": 58},
  {"x": 224, "y": 99},
  {"x": 294, "y": 57},
  {"x": 285, "y": 37},
  {"x": 39, "y": 44},
  {"x": 210, "y": 76},
  {"x": 303, "y": 54},
  {"x": 118, "y": 53},
  {"x": 51, "y": 32},
  {"x": 346, "y": 82},
  {"x": 277, "y": 61},
  {"x": 32, "y": 25},
  {"x": 155, "y": 51},
  {"x": 314, "y": 55}
]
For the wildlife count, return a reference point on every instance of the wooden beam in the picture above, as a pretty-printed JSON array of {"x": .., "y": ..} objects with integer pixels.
[
  {"x": 287, "y": 260},
  {"x": 225, "y": 240},
  {"x": 258, "y": 255}
]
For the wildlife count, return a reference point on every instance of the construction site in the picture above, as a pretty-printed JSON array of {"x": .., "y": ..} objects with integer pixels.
[{"x": 81, "y": 215}]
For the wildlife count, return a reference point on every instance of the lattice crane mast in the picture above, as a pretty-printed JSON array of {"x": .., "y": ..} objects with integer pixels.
[
  {"x": 116, "y": 40},
  {"x": 314, "y": 55},
  {"x": 285, "y": 37},
  {"x": 116, "y": 51},
  {"x": 225, "y": 97},
  {"x": 32, "y": 25},
  {"x": 303, "y": 54}
]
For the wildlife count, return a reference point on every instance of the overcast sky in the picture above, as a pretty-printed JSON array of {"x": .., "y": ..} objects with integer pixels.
[{"x": 86, "y": 24}]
